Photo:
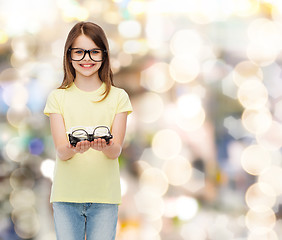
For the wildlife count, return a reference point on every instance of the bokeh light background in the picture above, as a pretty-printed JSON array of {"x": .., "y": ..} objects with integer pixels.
[{"x": 202, "y": 157}]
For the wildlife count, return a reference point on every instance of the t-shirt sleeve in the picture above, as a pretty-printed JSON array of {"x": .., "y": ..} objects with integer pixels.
[
  {"x": 124, "y": 104},
  {"x": 53, "y": 103}
]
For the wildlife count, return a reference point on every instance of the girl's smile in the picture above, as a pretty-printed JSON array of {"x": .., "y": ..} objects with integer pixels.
[{"x": 87, "y": 66}]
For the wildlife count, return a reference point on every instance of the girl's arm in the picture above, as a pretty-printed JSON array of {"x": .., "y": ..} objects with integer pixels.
[
  {"x": 113, "y": 149},
  {"x": 64, "y": 150}
]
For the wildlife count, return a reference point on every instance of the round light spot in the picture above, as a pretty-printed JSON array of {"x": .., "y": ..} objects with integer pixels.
[
  {"x": 166, "y": 144},
  {"x": 245, "y": 71},
  {"x": 149, "y": 204},
  {"x": 193, "y": 123},
  {"x": 260, "y": 195},
  {"x": 135, "y": 47},
  {"x": 47, "y": 168},
  {"x": 269, "y": 235},
  {"x": 262, "y": 55},
  {"x": 257, "y": 121},
  {"x": 15, "y": 95},
  {"x": 189, "y": 105},
  {"x": 178, "y": 171},
  {"x": 129, "y": 28},
  {"x": 255, "y": 159},
  {"x": 260, "y": 221},
  {"x": 265, "y": 32},
  {"x": 179, "y": 43},
  {"x": 26, "y": 222},
  {"x": 22, "y": 198},
  {"x": 184, "y": 68},
  {"x": 22, "y": 178},
  {"x": 154, "y": 180},
  {"x": 265, "y": 37},
  {"x": 273, "y": 177},
  {"x": 252, "y": 94},
  {"x": 157, "y": 78},
  {"x": 124, "y": 186},
  {"x": 16, "y": 116},
  {"x": 272, "y": 138},
  {"x": 186, "y": 208},
  {"x": 14, "y": 148},
  {"x": 149, "y": 107}
]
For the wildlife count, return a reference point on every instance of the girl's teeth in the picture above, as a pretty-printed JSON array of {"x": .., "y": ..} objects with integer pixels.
[{"x": 86, "y": 65}]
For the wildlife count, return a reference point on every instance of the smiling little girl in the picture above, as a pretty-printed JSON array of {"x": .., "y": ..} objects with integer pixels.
[{"x": 86, "y": 186}]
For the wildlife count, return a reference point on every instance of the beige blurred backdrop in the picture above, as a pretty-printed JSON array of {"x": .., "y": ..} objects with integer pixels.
[{"x": 202, "y": 155}]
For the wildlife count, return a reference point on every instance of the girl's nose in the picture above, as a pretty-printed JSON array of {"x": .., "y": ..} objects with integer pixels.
[{"x": 87, "y": 56}]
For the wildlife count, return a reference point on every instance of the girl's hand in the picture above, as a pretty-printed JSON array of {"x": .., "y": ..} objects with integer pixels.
[
  {"x": 81, "y": 147},
  {"x": 100, "y": 144}
]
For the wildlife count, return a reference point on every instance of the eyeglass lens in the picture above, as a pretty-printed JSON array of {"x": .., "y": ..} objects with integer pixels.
[
  {"x": 80, "y": 133},
  {"x": 78, "y": 54},
  {"x": 101, "y": 131}
]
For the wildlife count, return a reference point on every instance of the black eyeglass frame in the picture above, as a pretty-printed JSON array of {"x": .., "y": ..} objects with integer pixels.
[
  {"x": 88, "y": 51},
  {"x": 90, "y": 137}
]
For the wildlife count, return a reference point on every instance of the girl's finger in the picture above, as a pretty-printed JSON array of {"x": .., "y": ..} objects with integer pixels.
[
  {"x": 95, "y": 143},
  {"x": 85, "y": 145},
  {"x": 82, "y": 146},
  {"x": 103, "y": 143},
  {"x": 111, "y": 142},
  {"x": 99, "y": 142}
]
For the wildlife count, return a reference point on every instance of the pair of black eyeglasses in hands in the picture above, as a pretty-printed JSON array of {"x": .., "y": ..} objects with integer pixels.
[{"x": 78, "y": 134}]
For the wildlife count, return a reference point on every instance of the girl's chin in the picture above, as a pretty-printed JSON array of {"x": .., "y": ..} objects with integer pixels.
[{"x": 87, "y": 74}]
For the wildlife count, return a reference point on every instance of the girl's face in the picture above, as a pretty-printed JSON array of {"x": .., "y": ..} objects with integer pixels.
[{"x": 85, "y": 67}]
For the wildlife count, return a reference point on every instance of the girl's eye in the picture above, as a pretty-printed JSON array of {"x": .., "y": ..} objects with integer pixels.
[
  {"x": 79, "y": 52},
  {"x": 95, "y": 51}
]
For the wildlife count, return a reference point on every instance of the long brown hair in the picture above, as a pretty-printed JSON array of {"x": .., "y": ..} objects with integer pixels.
[{"x": 97, "y": 34}]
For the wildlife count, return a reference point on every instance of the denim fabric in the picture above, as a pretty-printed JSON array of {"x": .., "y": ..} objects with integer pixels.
[{"x": 73, "y": 221}]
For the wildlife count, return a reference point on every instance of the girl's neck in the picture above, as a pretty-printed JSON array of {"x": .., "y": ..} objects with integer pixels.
[{"x": 87, "y": 84}]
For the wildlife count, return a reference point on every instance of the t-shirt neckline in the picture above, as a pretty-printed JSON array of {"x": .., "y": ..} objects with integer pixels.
[{"x": 98, "y": 90}]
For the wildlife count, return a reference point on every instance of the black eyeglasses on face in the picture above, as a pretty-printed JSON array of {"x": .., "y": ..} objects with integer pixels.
[{"x": 95, "y": 54}]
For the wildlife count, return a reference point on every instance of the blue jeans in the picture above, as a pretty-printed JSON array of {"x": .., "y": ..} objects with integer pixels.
[{"x": 74, "y": 221}]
